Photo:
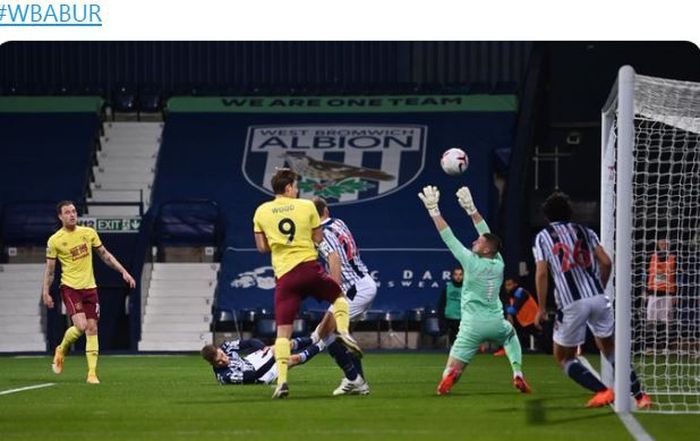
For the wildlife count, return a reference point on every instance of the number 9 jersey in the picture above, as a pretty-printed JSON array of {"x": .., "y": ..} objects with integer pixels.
[{"x": 288, "y": 225}]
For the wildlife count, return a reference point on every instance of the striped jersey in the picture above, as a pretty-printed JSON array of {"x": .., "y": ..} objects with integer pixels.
[
  {"x": 337, "y": 237},
  {"x": 251, "y": 368},
  {"x": 569, "y": 248}
]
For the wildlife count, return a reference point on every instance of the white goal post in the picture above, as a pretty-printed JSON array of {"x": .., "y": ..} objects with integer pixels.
[{"x": 650, "y": 226}]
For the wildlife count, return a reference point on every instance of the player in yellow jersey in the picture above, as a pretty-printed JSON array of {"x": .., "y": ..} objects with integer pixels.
[
  {"x": 73, "y": 245},
  {"x": 290, "y": 229}
]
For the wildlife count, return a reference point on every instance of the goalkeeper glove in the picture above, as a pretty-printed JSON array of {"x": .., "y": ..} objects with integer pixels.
[
  {"x": 464, "y": 196},
  {"x": 430, "y": 197}
]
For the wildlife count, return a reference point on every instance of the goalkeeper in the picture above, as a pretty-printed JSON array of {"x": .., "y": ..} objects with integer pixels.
[{"x": 482, "y": 313}]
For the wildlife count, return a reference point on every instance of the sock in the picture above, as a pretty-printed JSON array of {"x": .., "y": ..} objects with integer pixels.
[
  {"x": 315, "y": 338},
  {"x": 72, "y": 334},
  {"x": 514, "y": 352},
  {"x": 282, "y": 353},
  {"x": 358, "y": 366},
  {"x": 309, "y": 353},
  {"x": 92, "y": 348},
  {"x": 343, "y": 359},
  {"x": 330, "y": 338},
  {"x": 301, "y": 343},
  {"x": 341, "y": 315},
  {"x": 580, "y": 374},
  {"x": 635, "y": 385}
]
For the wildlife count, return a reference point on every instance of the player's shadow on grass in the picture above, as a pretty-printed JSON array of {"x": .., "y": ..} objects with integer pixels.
[
  {"x": 474, "y": 394},
  {"x": 538, "y": 414},
  {"x": 250, "y": 400}
]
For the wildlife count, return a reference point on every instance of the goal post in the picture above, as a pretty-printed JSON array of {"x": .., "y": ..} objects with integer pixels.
[{"x": 650, "y": 194}]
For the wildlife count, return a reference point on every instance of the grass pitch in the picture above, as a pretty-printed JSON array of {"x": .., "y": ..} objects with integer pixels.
[{"x": 176, "y": 398}]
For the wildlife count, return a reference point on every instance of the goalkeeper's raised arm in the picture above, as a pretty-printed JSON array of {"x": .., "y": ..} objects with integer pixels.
[
  {"x": 430, "y": 197},
  {"x": 464, "y": 197}
]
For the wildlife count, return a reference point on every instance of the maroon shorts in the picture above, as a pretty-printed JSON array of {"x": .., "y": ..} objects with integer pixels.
[
  {"x": 305, "y": 279},
  {"x": 81, "y": 300}
]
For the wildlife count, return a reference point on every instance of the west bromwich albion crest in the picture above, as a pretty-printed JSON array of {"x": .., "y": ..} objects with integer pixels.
[{"x": 344, "y": 163}]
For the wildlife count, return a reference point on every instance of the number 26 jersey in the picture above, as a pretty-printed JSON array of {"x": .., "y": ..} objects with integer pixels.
[
  {"x": 288, "y": 224},
  {"x": 569, "y": 249}
]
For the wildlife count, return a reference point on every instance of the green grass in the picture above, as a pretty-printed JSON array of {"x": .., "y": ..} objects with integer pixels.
[{"x": 176, "y": 398}]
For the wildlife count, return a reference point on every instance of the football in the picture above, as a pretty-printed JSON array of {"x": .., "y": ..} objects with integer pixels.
[{"x": 454, "y": 161}]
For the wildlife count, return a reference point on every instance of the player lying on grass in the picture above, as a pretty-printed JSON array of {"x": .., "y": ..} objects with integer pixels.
[
  {"x": 247, "y": 361},
  {"x": 482, "y": 314}
]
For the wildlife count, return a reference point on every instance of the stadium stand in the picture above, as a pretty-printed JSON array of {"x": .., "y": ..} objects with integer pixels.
[{"x": 208, "y": 157}]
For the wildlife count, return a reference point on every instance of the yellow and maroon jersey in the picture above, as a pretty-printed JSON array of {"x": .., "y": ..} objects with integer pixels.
[
  {"x": 288, "y": 225},
  {"x": 74, "y": 250}
]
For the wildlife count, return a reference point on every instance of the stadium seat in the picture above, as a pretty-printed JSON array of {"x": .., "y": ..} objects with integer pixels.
[
  {"x": 124, "y": 99},
  {"x": 265, "y": 327},
  {"x": 313, "y": 317},
  {"x": 431, "y": 326},
  {"x": 188, "y": 222},
  {"x": 150, "y": 99},
  {"x": 299, "y": 327},
  {"x": 395, "y": 323},
  {"x": 226, "y": 321}
]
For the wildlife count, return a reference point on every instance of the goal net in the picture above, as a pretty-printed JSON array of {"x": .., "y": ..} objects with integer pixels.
[{"x": 650, "y": 225}]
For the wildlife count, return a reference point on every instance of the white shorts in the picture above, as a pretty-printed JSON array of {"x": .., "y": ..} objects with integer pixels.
[
  {"x": 259, "y": 359},
  {"x": 660, "y": 308},
  {"x": 365, "y": 290},
  {"x": 596, "y": 312}
]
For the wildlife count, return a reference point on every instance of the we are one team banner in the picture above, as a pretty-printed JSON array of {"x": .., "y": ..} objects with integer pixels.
[
  {"x": 346, "y": 104},
  {"x": 367, "y": 156}
]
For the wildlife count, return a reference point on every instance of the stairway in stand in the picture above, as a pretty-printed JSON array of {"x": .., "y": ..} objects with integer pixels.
[{"x": 178, "y": 307}]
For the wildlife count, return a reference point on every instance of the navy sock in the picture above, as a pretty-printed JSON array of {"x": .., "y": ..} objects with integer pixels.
[
  {"x": 635, "y": 385},
  {"x": 358, "y": 366},
  {"x": 580, "y": 374},
  {"x": 343, "y": 359},
  {"x": 309, "y": 353},
  {"x": 301, "y": 343}
]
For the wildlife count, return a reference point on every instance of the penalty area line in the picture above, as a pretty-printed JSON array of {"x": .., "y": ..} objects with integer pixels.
[{"x": 20, "y": 389}]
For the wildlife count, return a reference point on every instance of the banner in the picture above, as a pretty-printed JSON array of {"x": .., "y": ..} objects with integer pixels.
[
  {"x": 50, "y": 104},
  {"x": 403, "y": 283},
  {"x": 346, "y": 104},
  {"x": 368, "y": 166}
]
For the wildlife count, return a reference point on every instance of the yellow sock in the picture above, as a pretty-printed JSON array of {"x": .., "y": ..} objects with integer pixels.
[
  {"x": 92, "y": 348},
  {"x": 341, "y": 314},
  {"x": 282, "y": 352},
  {"x": 71, "y": 335}
]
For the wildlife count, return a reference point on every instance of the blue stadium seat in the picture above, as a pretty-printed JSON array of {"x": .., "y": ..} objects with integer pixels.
[
  {"x": 28, "y": 223},
  {"x": 188, "y": 223},
  {"x": 265, "y": 326},
  {"x": 150, "y": 99},
  {"x": 124, "y": 99},
  {"x": 226, "y": 321},
  {"x": 299, "y": 327},
  {"x": 431, "y": 324}
]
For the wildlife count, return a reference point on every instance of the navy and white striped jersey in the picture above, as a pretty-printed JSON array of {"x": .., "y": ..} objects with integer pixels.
[
  {"x": 337, "y": 237},
  {"x": 245, "y": 369},
  {"x": 568, "y": 248}
]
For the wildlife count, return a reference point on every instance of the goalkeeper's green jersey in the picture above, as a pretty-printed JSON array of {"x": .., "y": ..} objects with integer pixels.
[{"x": 482, "y": 278}]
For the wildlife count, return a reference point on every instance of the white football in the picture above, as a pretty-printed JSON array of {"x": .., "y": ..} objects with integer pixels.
[{"x": 454, "y": 161}]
